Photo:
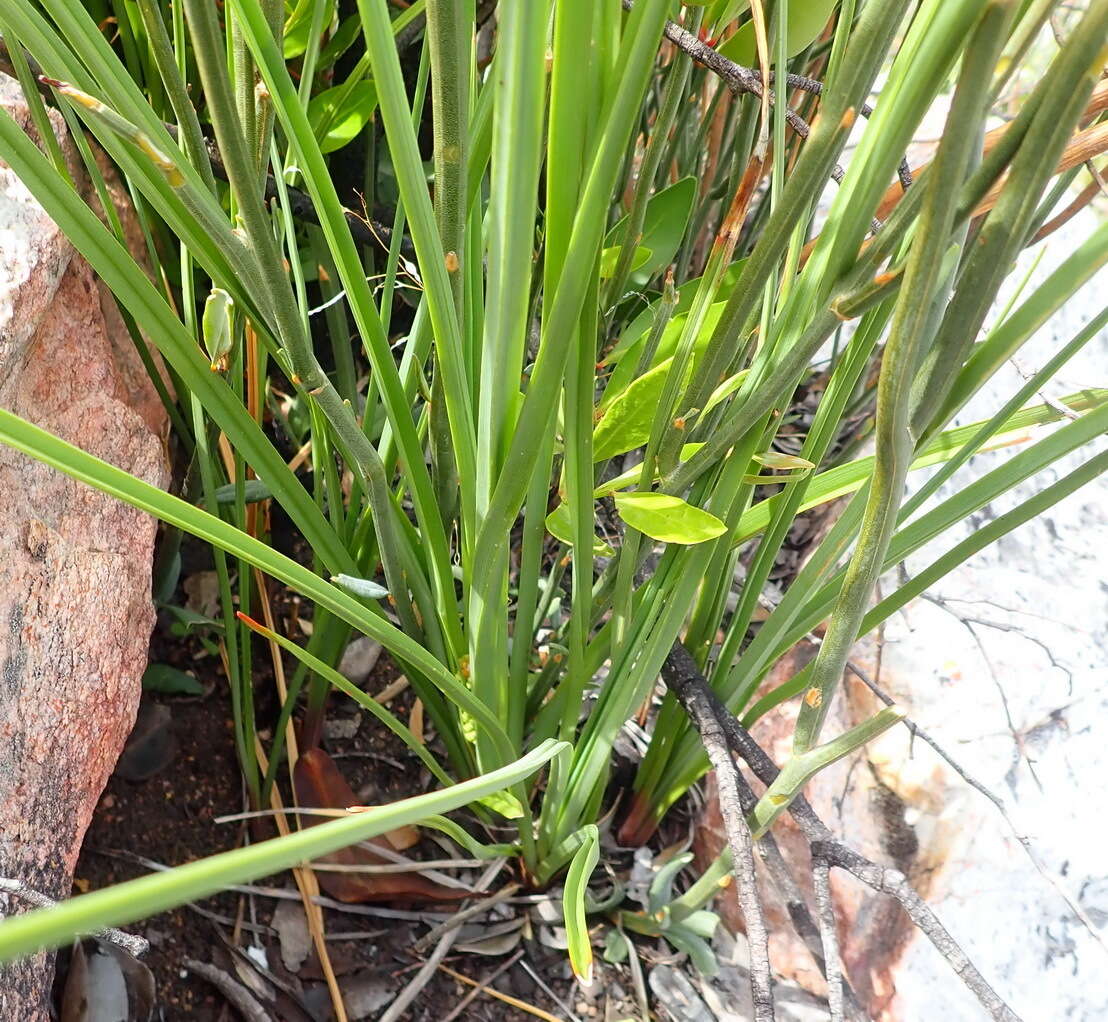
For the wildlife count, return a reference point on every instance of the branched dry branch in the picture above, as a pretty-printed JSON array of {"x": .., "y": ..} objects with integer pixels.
[
  {"x": 747, "y": 80},
  {"x": 776, "y": 867},
  {"x": 129, "y": 942},
  {"x": 681, "y": 675},
  {"x": 825, "y": 908},
  {"x": 827, "y": 851}
]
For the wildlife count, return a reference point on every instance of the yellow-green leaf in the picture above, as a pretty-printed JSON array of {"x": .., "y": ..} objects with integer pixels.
[
  {"x": 777, "y": 459},
  {"x": 667, "y": 518},
  {"x": 504, "y": 803},
  {"x": 559, "y": 526},
  {"x": 610, "y": 256},
  {"x": 337, "y": 115},
  {"x": 298, "y": 26},
  {"x": 725, "y": 390},
  {"x": 806, "y": 20},
  {"x": 573, "y": 903},
  {"x": 632, "y": 475},
  {"x": 217, "y": 327},
  {"x": 626, "y": 422}
]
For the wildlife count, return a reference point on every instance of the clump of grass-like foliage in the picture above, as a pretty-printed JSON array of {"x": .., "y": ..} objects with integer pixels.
[{"x": 547, "y": 404}]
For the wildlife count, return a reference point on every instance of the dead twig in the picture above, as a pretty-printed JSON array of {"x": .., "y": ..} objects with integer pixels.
[
  {"x": 241, "y": 999},
  {"x": 514, "y": 1002},
  {"x": 546, "y": 989},
  {"x": 681, "y": 674},
  {"x": 482, "y": 987},
  {"x": 828, "y": 851},
  {"x": 747, "y": 80},
  {"x": 463, "y": 916},
  {"x": 446, "y": 941},
  {"x": 1090, "y": 192},
  {"x": 421, "y": 978},
  {"x": 1024, "y": 841},
  {"x": 825, "y": 909},
  {"x": 778, "y": 869},
  {"x": 131, "y": 943}
]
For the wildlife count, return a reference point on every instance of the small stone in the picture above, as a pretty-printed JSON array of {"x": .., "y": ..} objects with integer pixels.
[
  {"x": 359, "y": 659},
  {"x": 341, "y": 728}
]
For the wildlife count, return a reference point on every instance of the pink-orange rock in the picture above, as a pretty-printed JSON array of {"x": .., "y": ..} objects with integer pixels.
[
  {"x": 75, "y": 606},
  {"x": 868, "y": 809}
]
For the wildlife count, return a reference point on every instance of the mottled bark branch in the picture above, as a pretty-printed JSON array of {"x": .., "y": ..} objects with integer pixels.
[
  {"x": 693, "y": 691},
  {"x": 681, "y": 676}
]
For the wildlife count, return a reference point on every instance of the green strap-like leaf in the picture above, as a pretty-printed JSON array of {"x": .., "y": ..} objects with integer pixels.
[
  {"x": 136, "y": 899},
  {"x": 573, "y": 903}
]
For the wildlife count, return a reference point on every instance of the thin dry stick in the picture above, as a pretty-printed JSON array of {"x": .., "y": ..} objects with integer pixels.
[
  {"x": 893, "y": 882},
  {"x": 825, "y": 909},
  {"x": 744, "y": 79},
  {"x": 824, "y": 955},
  {"x": 680, "y": 674},
  {"x": 1098, "y": 177},
  {"x": 1050, "y": 402},
  {"x": 421, "y": 978},
  {"x": 1091, "y": 191},
  {"x": 308, "y": 886},
  {"x": 478, "y": 990},
  {"x": 411, "y": 991},
  {"x": 463, "y": 916},
  {"x": 546, "y": 989},
  {"x": 827, "y": 849},
  {"x": 240, "y": 998},
  {"x": 1081, "y": 151},
  {"x": 131, "y": 943},
  {"x": 306, "y": 881},
  {"x": 778, "y": 870},
  {"x": 515, "y": 1002},
  {"x": 280, "y": 893}
]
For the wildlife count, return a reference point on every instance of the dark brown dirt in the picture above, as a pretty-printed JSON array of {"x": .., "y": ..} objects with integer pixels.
[{"x": 169, "y": 818}]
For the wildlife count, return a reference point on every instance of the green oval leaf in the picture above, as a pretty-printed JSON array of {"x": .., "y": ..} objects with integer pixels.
[
  {"x": 559, "y": 526},
  {"x": 667, "y": 518},
  {"x": 634, "y": 335},
  {"x": 667, "y": 216},
  {"x": 298, "y": 26},
  {"x": 337, "y": 115},
  {"x": 806, "y": 21},
  {"x": 624, "y": 371},
  {"x": 626, "y": 422},
  {"x": 632, "y": 475},
  {"x": 170, "y": 681},
  {"x": 610, "y": 256}
]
